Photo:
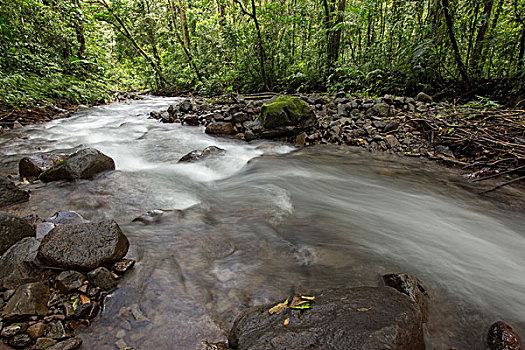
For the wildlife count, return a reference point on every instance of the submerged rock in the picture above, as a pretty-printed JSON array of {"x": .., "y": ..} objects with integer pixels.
[
  {"x": 10, "y": 193},
  {"x": 83, "y": 247},
  {"x": 502, "y": 337},
  {"x": 29, "y": 300},
  {"x": 84, "y": 164},
  {"x": 19, "y": 264},
  {"x": 357, "y": 318},
  {"x": 34, "y": 165},
  {"x": 66, "y": 217},
  {"x": 194, "y": 156},
  {"x": 12, "y": 230}
]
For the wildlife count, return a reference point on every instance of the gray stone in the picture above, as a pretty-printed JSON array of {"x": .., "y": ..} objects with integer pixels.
[
  {"x": 29, "y": 300},
  {"x": 392, "y": 142},
  {"x": 10, "y": 193},
  {"x": 185, "y": 106},
  {"x": 357, "y": 318},
  {"x": 69, "y": 344},
  {"x": 201, "y": 155},
  {"x": 12, "y": 230},
  {"x": 84, "y": 164},
  {"x": 422, "y": 97},
  {"x": 69, "y": 281},
  {"x": 33, "y": 166},
  {"x": 19, "y": 264},
  {"x": 102, "y": 278},
  {"x": 83, "y": 247},
  {"x": 410, "y": 286},
  {"x": 390, "y": 126},
  {"x": 43, "y": 229},
  {"x": 122, "y": 266},
  {"x": 56, "y": 330},
  {"x": 191, "y": 120}
]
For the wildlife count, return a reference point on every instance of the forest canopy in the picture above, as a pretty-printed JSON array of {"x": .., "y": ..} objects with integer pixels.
[{"x": 74, "y": 50}]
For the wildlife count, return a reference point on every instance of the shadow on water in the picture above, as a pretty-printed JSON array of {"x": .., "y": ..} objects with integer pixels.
[{"x": 262, "y": 222}]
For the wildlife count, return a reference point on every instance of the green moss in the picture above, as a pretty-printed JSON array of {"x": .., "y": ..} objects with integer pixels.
[{"x": 286, "y": 111}]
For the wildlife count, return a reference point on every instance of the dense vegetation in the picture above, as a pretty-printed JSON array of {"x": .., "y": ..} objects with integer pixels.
[{"x": 74, "y": 50}]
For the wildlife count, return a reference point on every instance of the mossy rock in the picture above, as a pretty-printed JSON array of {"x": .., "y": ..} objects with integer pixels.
[{"x": 286, "y": 111}]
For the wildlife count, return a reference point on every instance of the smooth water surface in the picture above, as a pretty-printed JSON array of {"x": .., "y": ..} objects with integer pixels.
[{"x": 264, "y": 221}]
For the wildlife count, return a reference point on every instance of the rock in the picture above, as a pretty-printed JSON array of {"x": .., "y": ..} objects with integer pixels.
[
  {"x": 69, "y": 344},
  {"x": 4, "y": 346},
  {"x": 390, "y": 126},
  {"x": 219, "y": 128},
  {"x": 34, "y": 165},
  {"x": 411, "y": 286},
  {"x": 300, "y": 140},
  {"x": 69, "y": 281},
  {"x": 422, "y": 97},
  {"x": 43, "y": 229},
  {"x": 10, "y": 193},
  {"x": 29, "y": 300},
  {"x": 392, "y": 142},
  {"x": 56, "y": 330},
  {"x": 191, "y": 120},
  {"x": 444, "y": 150},
  {"x": 501, "y": 336},
  {"x": 12, "y": 230},
  {"x": 240, "y": 117},
  {"x": 201, "y": 155},
  {"x": 185, "y": 106},
  {"x": 37, "y": 330},
  {"x": 20, "y": 341},
  {"x": 286, "y": 111},
  {"x": 44, "y": 343},
  {"x": 87, "y": 311},
  {"x": 65, "y": 217},
  {"x": 122, "y": 266},
  {"x": 19, "y": 264},
  {"x": 102, "y": 278},
  {"x": 356, "y": 318},
  {"x": 13, "y": 329},
  {"x": 84, "y": 164},
  {"x": 83, "y": 247},
  {"x": 152, "y": 216},
  {"x": 8, "y": 294}
]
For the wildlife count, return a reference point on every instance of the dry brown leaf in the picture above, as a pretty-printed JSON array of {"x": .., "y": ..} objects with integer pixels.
[
  {"x": 84, "y": 299},
  {"x": 364, "y": 309},
  {"x": 277, "y": 309}
]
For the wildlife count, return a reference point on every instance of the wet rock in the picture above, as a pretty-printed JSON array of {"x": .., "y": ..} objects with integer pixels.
[
  {"x": 44, "y": 343},
  {"x": 83, "y": 246},
  {"x": 392, "y": 142},
  {"x": 123, "y": 266},
  {"x": 66, "y": 217},
  {"x": 4, "y": 346},
  {"x": 422, "y": 97},
  {"x": 43, "y": 229},
  {"x": 286, "y": 111},
  {"x": 37, "y": 330},
  {"x": 501, "y": 336},
  {"x": 33, "y": 166},
  {"x": 411, "y": 286},
  {"x": 185, "y": 106},
  {"x": 191, "y": 120},
  {"x": 20, "y": 341},
  {"x": 12, "y": 230},
  {"x": 138, "y": 314},
  {"x": 87, "y": 311},
  {"x": 29, "y": 300},
  {"x": 69, "y": 281},
  {"x": 102, "y": 278},
  {"x": 69, "y": 344},
  {"x": 390, "y": 126},
  {"x": 201, "y": 155},
  {"x": 356, "y": 318},
  {"x": 444, "y": 150},
  {"x": 8, "y": 294},
  {"x": 219, "y": 128},
  {"x": 56, "y": 330},
  {"x": 84, "y": 164},
  {"x": 10, "y": 193},
  {"x": 13, "y": 329},
  {"x": 152, "y": 216},
  {"x": 19, "y": 264}
]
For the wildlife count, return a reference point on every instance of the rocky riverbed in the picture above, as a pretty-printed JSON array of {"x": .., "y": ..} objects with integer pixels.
[{"x": 201, "y": 280}]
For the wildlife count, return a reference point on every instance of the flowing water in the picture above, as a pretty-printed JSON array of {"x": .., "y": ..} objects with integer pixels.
[{"x": 264, "y": 221}]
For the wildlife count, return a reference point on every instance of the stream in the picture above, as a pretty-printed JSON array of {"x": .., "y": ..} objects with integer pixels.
[{"x": 265, "y": 220}]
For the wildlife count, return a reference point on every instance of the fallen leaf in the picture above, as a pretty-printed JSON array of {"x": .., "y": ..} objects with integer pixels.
[
  {"x": 304, "y": 305},
  {"x": 364, "y": 309},
  {"x": 277, "y": 309},
  {"x": 307, "y": 297},
  {"x": 84, "y": 299},
  {"x": 287, "y": 321}
]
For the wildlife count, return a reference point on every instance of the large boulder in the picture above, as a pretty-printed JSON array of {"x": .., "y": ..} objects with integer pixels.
[
  {"x": 33, "y": 166},
  {"x": 84, "y": 164},
  {"x": 19, "y": 264},
  {"x": 286, "y": 111},
  {"x": 219, "y": 128},
  {"x": 194, "y": 156},
  {"x": 10, "y": 193},
  {"x": 357, "y": 318},
  {"x": 410, "y": 286},
  {"x": 83, "y": 246},
  {"x": 12, "y": 230},
  {"x": 29, "y": 300}
]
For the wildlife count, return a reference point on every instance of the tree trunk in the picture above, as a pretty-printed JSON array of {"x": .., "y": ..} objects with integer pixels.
[
  {"x": 521, "y": 55},
  {"x": 184, "y": 24},
  {"x": 334, "y": 43},
  {"x": 477, "y": 59},
  {"x": 453, "y": 42}
]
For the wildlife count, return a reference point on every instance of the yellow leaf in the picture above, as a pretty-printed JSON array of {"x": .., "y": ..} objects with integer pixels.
[
  {"x": 364, "y": 309},
  {"x": 277, "y": 309}
]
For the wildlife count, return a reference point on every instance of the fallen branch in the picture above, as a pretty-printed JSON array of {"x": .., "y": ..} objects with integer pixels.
[{"x": 504, "y": 184}]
